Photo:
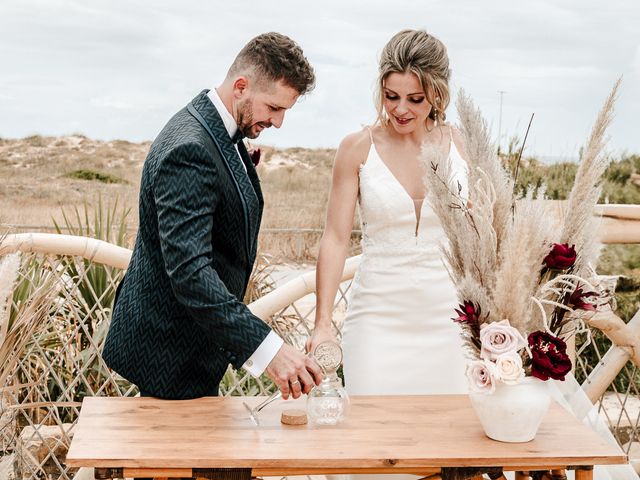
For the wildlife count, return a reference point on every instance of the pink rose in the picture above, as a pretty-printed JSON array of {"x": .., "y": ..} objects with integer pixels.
[
  {"x": 509, "y": 368},
  {"x": 499, "y": 337},
  {"x": 482, "y": 376}
]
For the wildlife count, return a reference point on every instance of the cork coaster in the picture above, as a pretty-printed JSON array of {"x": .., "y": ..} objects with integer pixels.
[{"x": 293, "y": 417}]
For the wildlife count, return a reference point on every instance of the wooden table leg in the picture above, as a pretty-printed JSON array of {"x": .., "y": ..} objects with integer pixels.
[
  {"x": 107, "y": 473},
  {"x": 584, "y": 473}
]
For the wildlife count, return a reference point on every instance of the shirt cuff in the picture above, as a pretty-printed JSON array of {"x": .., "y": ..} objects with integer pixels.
[{"x": 261, "y": 358}]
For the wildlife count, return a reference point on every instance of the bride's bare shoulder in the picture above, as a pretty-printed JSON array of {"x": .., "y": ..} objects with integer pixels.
[{"x": 354, "y": 148}]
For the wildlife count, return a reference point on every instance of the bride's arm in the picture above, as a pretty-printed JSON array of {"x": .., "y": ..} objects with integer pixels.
[{"x": 334, "y": 245}]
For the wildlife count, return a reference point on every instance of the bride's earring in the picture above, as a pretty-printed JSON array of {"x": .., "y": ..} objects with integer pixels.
[{"x": 435, "y": 117}]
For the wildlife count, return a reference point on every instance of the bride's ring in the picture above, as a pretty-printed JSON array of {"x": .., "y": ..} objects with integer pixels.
[{"x": 295, "y": 382}]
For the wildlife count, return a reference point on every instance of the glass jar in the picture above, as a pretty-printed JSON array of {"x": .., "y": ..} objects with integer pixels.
[{"x": 328, "y": 403}]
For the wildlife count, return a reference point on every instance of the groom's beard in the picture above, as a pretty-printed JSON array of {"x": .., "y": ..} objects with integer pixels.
[{"x": 245, "y": 120}]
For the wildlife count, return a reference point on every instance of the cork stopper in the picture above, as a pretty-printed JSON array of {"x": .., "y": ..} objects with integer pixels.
[{"x": 293, "y": 417}]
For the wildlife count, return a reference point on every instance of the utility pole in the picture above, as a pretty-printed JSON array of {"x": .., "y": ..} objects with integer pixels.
[{"x": 501, "y": 92}]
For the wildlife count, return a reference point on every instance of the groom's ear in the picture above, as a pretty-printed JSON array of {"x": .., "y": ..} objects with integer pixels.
[{"x": 240, "y": 86}]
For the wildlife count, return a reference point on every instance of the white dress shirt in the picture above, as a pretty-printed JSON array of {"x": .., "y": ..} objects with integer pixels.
[{"x": 258, "y": 362}]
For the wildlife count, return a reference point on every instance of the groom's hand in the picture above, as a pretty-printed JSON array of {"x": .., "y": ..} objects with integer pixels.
[{"x": 293, "y": 372}]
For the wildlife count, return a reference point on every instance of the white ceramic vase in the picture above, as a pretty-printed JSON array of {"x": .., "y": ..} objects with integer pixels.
[{"x": 513, "y": 412}]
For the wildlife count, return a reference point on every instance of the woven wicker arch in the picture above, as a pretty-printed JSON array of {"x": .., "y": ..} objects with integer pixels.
[{"x": 64, "y": 285}]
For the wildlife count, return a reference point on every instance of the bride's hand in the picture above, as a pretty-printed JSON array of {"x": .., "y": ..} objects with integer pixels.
[{"x": 320, "y": 335}]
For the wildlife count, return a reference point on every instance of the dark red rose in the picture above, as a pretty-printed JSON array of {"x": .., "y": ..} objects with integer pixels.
[
  {"x": 561, "y": 256},
  {"x": 576, "y": 300},
  {"x": 549, "y": 356},
  {"x": 255, "y": 157},
  {"x": 467, "y": 313}
]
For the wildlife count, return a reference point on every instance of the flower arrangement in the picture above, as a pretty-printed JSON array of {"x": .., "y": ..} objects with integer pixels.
[{"x": 524, "y": 274}]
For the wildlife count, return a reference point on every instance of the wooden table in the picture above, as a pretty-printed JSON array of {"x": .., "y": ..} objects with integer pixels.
[{"x": 214, "y": 438}]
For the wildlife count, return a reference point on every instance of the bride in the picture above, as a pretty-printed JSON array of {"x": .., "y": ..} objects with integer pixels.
[{"x": 398, "y": 336}]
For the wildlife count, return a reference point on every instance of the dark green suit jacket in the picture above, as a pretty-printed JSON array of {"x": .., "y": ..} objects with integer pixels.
[{"x": 178, "y": 319}]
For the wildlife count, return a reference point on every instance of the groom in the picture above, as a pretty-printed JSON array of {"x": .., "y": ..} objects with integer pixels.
[{"x": 178, "y": 319}]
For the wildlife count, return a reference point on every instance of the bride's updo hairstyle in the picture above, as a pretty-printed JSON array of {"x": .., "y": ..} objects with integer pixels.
[{"x": 425, "y": 56}]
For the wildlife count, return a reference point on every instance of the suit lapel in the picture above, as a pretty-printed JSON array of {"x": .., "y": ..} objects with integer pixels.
[
  {"x": 204, "y": 111},
  {"x": 251, "y": 170},
  {"x": 255, "y": 182}
]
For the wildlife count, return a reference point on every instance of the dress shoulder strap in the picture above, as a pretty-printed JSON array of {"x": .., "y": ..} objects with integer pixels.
[
  {"x": 370, "y": 130},
  {"x": 371, "y": 145}
]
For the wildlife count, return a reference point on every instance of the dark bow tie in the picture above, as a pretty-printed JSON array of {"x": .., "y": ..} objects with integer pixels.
[{"x": 237, "y": 137}]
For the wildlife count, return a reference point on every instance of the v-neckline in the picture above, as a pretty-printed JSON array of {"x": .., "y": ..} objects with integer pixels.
[
  {"x": 373, "y": 145},
  {"x": 417, "y": 202}
]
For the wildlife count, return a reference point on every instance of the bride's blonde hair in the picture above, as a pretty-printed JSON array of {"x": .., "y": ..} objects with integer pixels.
[{"x": 424, "y": 55}]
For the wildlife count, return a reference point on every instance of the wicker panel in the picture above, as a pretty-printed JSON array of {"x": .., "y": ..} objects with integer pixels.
[{"x": 51, "y": 346}]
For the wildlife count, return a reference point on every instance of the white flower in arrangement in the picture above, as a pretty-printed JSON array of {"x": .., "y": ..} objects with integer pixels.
[
  {"x": 498, "y": 338},
  {"x": 509, "y": 368},
  {"x": 482, "y": 376}
]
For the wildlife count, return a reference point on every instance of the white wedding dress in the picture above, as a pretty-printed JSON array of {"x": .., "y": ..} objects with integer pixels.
[{"x": 398, "y": 336}]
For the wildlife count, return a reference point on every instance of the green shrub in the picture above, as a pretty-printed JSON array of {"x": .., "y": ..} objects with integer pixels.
[{"x": 94, "y": 176}]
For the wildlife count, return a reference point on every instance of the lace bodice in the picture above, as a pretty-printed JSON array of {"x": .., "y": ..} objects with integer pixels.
[{"x": 389, "y": 215}]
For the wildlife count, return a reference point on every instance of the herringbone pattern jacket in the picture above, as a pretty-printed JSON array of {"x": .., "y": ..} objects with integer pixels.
[{"x": 178, "y": 320}]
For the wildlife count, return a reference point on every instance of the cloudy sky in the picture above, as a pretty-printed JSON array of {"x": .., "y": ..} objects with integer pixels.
[{"x": 120, "y": 68}]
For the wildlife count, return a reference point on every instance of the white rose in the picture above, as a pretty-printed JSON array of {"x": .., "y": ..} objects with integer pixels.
[
  {"x": 499, "y": 337},
  {"x": 509, "y": 368},
  {"x": 482, "y": 376}
]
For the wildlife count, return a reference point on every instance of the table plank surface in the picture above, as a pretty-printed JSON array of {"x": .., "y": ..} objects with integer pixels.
[{"x": 381, "y": 432}]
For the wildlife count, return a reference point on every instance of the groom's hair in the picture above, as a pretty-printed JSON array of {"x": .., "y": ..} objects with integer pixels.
[{"x": 271, "y": 57}]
